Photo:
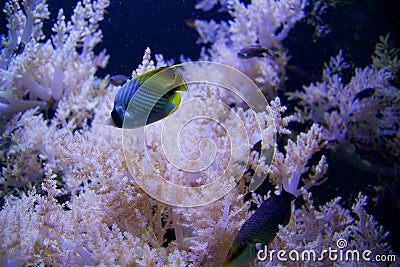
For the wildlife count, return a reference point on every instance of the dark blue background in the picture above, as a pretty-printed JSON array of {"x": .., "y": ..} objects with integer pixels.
[{"x": 131, "y": 26}]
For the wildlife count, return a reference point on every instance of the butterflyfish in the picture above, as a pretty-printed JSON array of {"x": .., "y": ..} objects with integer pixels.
[
  {"x": 147, "y": 98},
  {"x": 260, "y": 229}
]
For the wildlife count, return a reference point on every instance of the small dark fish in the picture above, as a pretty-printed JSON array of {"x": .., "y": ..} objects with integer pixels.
[
  {"x": 118, "y": 80},
  {"x": 250, "y": 51},
  {"x": 260, "y": 229},
  {"x": 367, "y": 92},
  {"x": 19, "y": 49},
  {"x": 191, "y": 23}
]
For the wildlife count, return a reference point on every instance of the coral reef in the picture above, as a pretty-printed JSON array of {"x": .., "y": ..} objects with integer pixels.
[
  {"x": 43, "y": 73},
  {"x": 75, "y": 192},
  {"x": 367, "y": 123},
  {"x": 261, "y": 22}
]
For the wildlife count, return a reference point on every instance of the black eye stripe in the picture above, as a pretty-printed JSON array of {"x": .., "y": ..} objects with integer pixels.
[{"x": 116, "y": 118}]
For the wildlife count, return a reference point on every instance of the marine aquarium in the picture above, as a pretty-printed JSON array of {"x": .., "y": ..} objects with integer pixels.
[{"x": 199, "y": 133}]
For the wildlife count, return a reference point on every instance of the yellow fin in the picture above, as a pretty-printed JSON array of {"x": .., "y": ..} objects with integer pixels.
[
  {"x": 161, "y": 81},
  {"x": 176, "y": 100}
]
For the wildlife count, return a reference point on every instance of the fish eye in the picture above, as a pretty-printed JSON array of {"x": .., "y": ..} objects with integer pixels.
[
  {"x": 117, "y": 116},
  {"x": 170, "y": 71}
]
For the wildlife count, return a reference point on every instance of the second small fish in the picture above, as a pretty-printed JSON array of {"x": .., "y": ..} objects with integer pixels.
[
  {"x": 365, "y": 93},
  {"x": 260, "y": 229},
  {"x": 255, "y": 50},
  {"x": 118, "y": 80}
]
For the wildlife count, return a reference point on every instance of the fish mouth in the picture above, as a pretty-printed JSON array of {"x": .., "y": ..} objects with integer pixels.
[{"x": 109, "y": 121}]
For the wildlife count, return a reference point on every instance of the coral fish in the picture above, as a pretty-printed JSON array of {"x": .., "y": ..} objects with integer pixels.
[
  {"x": 191, "y": 23},
  {"x": 367, "y": 92},
  {"x": 250, "y": 51},
  {"x": 19, "y": 49},
  {"x": 147, "y": 98},
  {"x": 260, "y": 229},
  {"x": 118, "y": 80}
]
